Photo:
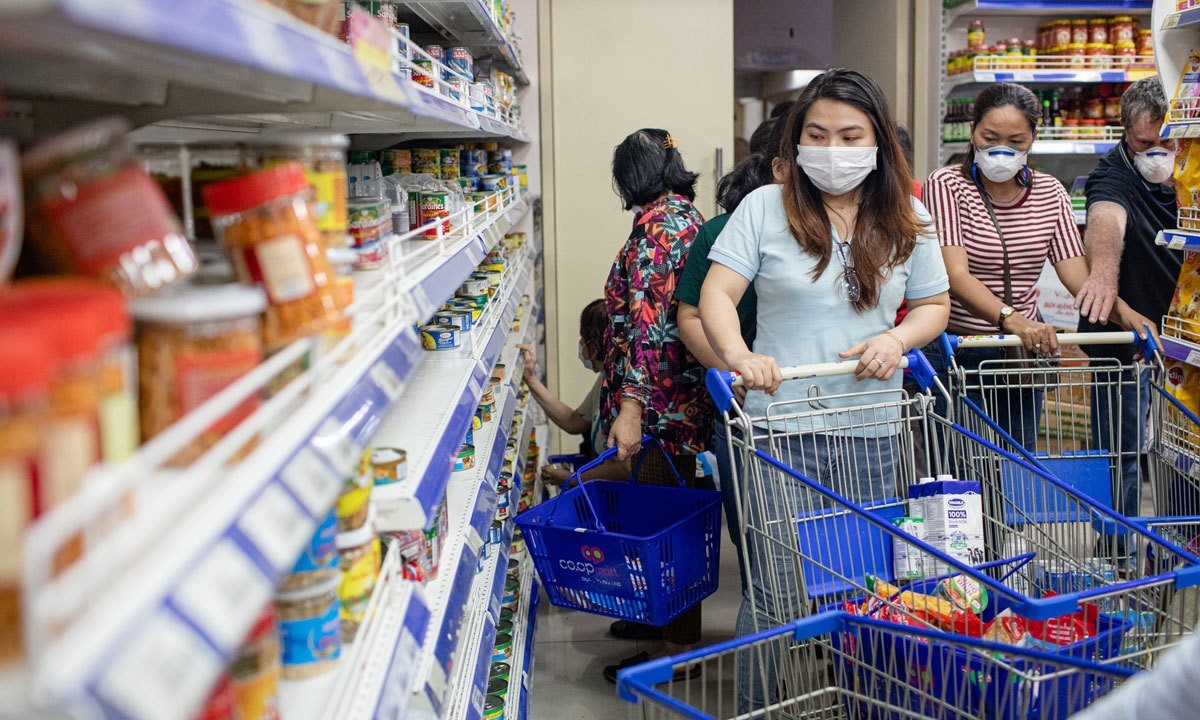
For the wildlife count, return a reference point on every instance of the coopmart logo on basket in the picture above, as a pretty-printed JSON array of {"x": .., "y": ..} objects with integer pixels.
[{"x": 593, "y": 555}]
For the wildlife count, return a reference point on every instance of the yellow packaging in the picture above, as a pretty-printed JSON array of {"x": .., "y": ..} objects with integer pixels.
[
  {"x": 353, "y": 505},
  {"x": 1187, "y": 178},
  {"x": 1185, "y": 303},
  {"x": 1183, "y": 382}
]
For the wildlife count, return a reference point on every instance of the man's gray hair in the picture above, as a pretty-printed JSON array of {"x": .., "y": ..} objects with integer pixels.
[{"x": 1144, "y": 99}]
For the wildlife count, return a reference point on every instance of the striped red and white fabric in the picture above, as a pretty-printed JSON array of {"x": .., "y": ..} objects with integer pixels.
[{"x": 1040, "y": 227}]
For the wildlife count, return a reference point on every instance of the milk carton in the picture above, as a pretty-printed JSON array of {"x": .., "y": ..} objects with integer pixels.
[
  {"x": 953, "y": 514},
  {"x": 907, "y": 560}
]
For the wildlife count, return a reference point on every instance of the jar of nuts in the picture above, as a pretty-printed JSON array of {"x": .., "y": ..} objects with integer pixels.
[
  {"x": 267, "y": 226},
  {"x": 94, "y": 211},
  {"x": 194, "y": 340},
  {"x": 309, "y": 630}
]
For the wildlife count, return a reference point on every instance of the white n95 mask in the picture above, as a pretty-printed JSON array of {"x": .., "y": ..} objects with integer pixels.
[
  {"x": 1000, "y": 163},
  {"x": 1156, "y": 165},
  {"x": 836, "y": 170}
]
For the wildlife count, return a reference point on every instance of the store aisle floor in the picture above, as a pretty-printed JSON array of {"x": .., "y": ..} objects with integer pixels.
[{"x": 571, "y": 649}]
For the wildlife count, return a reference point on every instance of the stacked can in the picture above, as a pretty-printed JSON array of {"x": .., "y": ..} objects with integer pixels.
[
  {"x": 397, "y": 161},
  {"x": 500, "y": 162},
  {"x": 402, "y": 48},
  {"x": 449, "y": 160},
  {"x": 427, "y": 162},
  {"x": 473, "y": 163},
  {"x": 479, "y": 93},
  {"x": 434, "y": 206},
  {"x": 460, "y": 61}
]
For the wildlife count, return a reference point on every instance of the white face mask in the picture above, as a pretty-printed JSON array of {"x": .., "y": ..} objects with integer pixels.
[
  {"x": 587, "y": 363},
  {"x": 1157, "y": 165},
  {"x": 836, "y": 170},
  {"x": 1000, "y": 163}
]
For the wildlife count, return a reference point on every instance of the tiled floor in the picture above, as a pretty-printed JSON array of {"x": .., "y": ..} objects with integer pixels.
[{"x": 571, "y": 649}]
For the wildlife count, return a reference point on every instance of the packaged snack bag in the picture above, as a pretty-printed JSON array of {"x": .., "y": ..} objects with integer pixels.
[
  {"x": 1183, "y": 382},
  {"x": 1187, "y": 178},
  {"x": 964, "y": 593}
]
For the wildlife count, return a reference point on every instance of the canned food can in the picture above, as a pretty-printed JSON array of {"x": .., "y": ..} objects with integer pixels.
[
  {"x": 455, "y": 88},
  {"x": 426, "y": 156},
  {"x": 459, "y": 59},
  {"x": 459, "y": 318},
  {"x": 434, "y": 169},
  {"x": 502, "y": 501},
  {"x": 500, "y": 670},
  {"x": 465, "y": 459},
  {"x": 469, "y": 168},
  {"x": 472, "y": 287},
  {"x": 478, "y": 301},
  {"x": 493, "y": 708},
  {"x": 437, "y": 52},
  {"x": 448, "y": 157},
  {"x": 388, "y": 465},
  {"x": 434, "y": 206},
  {"x": 496, "y": 532},
  {"x": 478, "y": 97},
  {"x": 423, "y": 74},
  {"x": 501, "y": 155},
  {"x": 498, "y": 168},
  {"x": 439, "y": 337},
  {"x": 492, "y": 183}
]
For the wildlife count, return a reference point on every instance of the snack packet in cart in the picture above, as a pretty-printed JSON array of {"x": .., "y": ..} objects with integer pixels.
[
  {"x": 964, "y": 593},
  {"x": 1066, "y": 629},
  {"x": 937, "y": 612}
]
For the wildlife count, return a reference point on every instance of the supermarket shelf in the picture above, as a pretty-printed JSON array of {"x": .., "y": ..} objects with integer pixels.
[
  {"x": 1183, "y": 19},
  {"x": 1179, "y": 349},
  {"x": 470, "y": 23},
  {"x": 470, "y": 507},
  {"x": 439, "y": 270},
  {"x": 1180, "y": 129},
  {"x": 470, "y": 683},
  {"x": 439, "y": 408},
  {"x": 1046, "y": 76},
  {"x": 516, "y": 702},
  {"x": 1179, "y": 239},
  {"x": 208, "y": 69},
  {"x": 1050, "y": 147},
  {"x": 1046, "y": 7}
]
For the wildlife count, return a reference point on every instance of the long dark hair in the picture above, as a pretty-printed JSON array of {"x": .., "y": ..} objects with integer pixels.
[
  {"x": 997, "y": 96},
  {"x": 646, "y": 164},
  {"x": 747, "y": 176},
  {"x": 593, "y": 321},
  {"x": 885, "y": 232}
]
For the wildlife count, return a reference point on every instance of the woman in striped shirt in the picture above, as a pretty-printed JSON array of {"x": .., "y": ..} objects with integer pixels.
[{"x": 999, "y": 223}]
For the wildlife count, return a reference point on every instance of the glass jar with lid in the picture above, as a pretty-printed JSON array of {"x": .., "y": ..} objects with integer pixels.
[
  {"x": 193, "y": 341},
  {"x": 1079, "y": 32},
  {"x": 323, "y": 155},
  {"x": 94, "y": 211},
  {"x": 267, "y": 226},
  {"x": 24, "y": 388}
]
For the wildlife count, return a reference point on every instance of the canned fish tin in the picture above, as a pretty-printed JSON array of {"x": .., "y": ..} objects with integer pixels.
[
  {"x": 434, "y": 206},
  {"x": 502, "y": 501},
  {"x": 439, "y": 337},
  {"x": 512, "y": 586},
  {"x": 483, "y": 201},
  {"x": 458, "y": 318},
  {"x": 423, "y": 74},
  {"x": 388, "y": 465},
  {"x": 501, "y": 155},
  {"x": 493, "y": 182},
  {"x": 476, "y": 157},
  {"x": 437, "y": 52},
  {"x": 503, "y": 649},
  {"x": 448, "y": 157},
  {"x": 472, "y": 287},
  {"x": 402, "y": 50},
  {"x": 478, "y": 94},
  {"x": 459, "y": 59},
  {"x": 493, "y": 708},
  {"x": 467, "y": 306},
  {"x": 499, "y": 671},
  {"x": 494, "y": 277},
  {"x": 426, "y": 156},
  {"x": 498, "y": 688},
  {"x": 434, "y": 169},
  {"x": 496, "y": 533},
  {"x": 465, "y": 459},
  {"x": 499, "y": 169},
  {"x": 468, "y": 184},
  {"x": 479, "y": 301}
]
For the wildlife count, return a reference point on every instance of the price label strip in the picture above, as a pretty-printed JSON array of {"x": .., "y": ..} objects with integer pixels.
[
  {"x": 224, "y": 595},
  {"x": 277, "y": 526},
  {"x": 312, "y": 481}
]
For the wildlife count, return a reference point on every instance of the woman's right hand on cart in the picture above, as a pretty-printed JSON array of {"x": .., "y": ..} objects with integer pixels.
[
  {"x": 759, "y": 372},
  {"x": 1038, "y": 338}
]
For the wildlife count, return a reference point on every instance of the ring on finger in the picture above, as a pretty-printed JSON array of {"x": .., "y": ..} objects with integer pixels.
[{"x": 880, "y": 361}]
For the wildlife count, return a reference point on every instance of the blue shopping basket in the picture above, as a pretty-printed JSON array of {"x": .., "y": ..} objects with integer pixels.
[
  {"x": 840, "y": 666},
  {"x": 626, "y": 550}
]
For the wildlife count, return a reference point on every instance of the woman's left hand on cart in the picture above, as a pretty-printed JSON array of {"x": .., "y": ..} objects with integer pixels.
[{"x": 878, "y": 357}]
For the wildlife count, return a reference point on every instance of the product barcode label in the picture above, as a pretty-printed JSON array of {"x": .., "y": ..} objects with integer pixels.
[
  {"x": 1171, "y": 21},
  {"x": 341, "y": 450},
  {"x": 312, "y": 481},
  {"x": 277, "y": 526},
  {"x": 165, "y": 672},
  {"x": 224, "y": 595},
  {"x": 1193, "y": 358},
  {"x": 386, "y": 379}
]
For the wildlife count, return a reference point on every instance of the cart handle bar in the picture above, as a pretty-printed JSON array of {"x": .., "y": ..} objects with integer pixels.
[
  {"x": 720, "y": 384},
  {"x": 1121, "y": 337}
]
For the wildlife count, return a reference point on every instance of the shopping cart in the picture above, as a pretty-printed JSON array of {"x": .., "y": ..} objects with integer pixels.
[
  {"x": 821, "y": 481},
  {"x": 1174, "y": 454},
  {"x": 855, "y": 667},
  {"x": 627, "y": 550},
  {"x": 1063, "y": 415}
]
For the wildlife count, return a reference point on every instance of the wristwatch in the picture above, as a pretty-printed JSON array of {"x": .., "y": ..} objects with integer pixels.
[{"x": 1005, "y": 313}]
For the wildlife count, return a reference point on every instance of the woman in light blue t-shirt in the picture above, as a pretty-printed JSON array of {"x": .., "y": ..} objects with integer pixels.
[{"x": 832, "y": 253}]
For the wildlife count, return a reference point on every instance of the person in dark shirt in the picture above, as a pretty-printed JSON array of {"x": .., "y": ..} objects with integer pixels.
[
  {"x": 1130, "y": 199},
  {"x": 747, "y": 176}
]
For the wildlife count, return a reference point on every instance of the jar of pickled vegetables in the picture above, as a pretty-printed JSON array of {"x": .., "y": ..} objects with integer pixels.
[
  {"x": 193, "y": 341},
  {"x": 1061, "y": 34},
  {"x": 1121, "y": 30},
  {"x": 1096, "y": 56},
  {"x": 1077, "y": 52},
  {"x": 24, "y": 388},
  {"x": 1079, "y": 32},
  {"x": 975, "y": 33},
  {"x": 267, "y": 226},
  {"x": 1145, "y": 43},
  {"x": 1125, "y": 52},
  {"x": 94, "y": 211},
  {"x": 1098, "y": 31}
]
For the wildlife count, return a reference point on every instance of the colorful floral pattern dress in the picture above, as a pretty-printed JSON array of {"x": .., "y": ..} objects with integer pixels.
[{"x": 645, "y": 358}]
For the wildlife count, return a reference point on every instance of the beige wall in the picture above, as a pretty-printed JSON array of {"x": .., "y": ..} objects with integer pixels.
[
  {"x": 875, "y": 38},
  {"x": 607, "y": 69}
]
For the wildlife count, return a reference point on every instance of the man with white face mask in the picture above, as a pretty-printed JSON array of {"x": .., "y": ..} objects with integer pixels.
[{"x": 1130, "y": 197}]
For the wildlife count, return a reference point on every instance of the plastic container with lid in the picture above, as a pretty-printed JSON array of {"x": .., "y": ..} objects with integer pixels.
[
  {"x": 194, "y": 340},
  {"x": 93, "y": 404},
  {"x": 255, "y": 670},
  {"x": 323, "y": 156},
  {"x": 265, "y": 221},
  {"x": 359, "y": 555},
  {"x": 24, "y": 389},
  {"x": 93, "y": 210},
  {"x": 309, "y": 630}
]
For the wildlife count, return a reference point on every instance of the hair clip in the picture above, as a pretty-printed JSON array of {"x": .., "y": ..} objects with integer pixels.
[{"x": 669, "y": 143}]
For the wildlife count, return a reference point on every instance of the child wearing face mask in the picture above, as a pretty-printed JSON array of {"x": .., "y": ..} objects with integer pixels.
[
  {"x": 831, "y": 253},
  {"x": 999, "y": 222},
  {"x": 583, "y": 419}
]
